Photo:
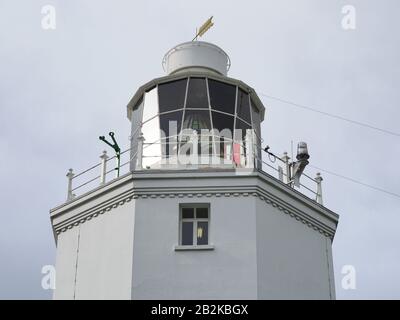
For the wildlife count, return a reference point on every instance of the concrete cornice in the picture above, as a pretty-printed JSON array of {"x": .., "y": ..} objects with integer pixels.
[{"x": 123, "y": 190}]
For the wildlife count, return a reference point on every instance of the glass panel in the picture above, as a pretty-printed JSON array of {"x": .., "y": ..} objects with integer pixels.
[
  {"x": 187, "y": 234},
  {"x": 152, "y": 146},
  {"x": 150, "y": 104},
  {"x": 187, "y": 213},
  {"x": 202, "y": 233},
  {"x": 136, "y": 120},
  {"x": 223, "y": 123},
  {"x": 243, "y": 107},
  {"x": 257, "y": 127},
  {"x": 240, "y": 131},
  {"x": 170, "y": 123},
  {"x": 256, "y": 119},
  {"x": 197, "y": 120},
  {"x": 239, "y": 149},
  {"x": 222, "y": 96},
  {"x": 197, "y": 94},
  {"x": 172, "y": 95},
  {"x": 201, "y": 213}
]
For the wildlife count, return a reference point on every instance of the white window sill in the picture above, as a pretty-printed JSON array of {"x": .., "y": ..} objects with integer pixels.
[{"x": 194, "y": 248}]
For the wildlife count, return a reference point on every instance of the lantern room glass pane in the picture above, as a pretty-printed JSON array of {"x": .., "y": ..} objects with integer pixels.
[
  {"x": 150, "y": 108},
  {"x": 256, "y": 119},
  {"x": 243, "y": 106},
  {"x": 172, "y": 95},
  {"x": 170, "y": 123},
  {"x": 223, "y": 123},
  {"x": 152, "y": 144},
  {"x": 222, "y": 96},
  {"x": 197, "y": 94},
  {"x": 197, "y": 120},
  {"x": 240, "y": 130}
]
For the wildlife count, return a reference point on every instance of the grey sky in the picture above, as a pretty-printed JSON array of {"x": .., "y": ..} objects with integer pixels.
[{"x": 61, "y": 89}]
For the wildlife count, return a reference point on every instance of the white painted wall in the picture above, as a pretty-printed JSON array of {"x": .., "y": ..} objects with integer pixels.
[
  {"x": 228, "y": 272},
  {"x": 66, "y": 264},
  {"x": 94, "y": 259},
  {"x": 127, "y": 252},
  {"x": 292, "y": 258}
]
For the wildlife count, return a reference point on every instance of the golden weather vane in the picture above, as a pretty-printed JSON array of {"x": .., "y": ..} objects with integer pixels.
[{"x": 204, "y": 28}]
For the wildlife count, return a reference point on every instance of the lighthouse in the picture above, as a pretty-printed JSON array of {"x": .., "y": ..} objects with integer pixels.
[{"x": 196, "y": 210}]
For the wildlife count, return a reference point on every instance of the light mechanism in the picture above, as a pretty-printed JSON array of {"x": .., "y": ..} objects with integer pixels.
[{"x": 302, "y": 161}]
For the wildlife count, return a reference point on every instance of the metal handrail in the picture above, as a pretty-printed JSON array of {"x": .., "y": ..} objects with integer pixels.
[{"x": 254, "y": 148}]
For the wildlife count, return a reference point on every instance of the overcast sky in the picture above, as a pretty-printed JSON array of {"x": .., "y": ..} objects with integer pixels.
[{"x": 60, "y": 89}]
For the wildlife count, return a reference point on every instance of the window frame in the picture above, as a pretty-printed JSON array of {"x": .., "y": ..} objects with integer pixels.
[{"x": 195, "y": 221}]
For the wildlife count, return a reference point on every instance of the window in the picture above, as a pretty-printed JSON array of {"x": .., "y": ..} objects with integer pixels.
[
  {"x": 194, "y": 225},
  {"x": 222, "y": 96},
  {"x": 150, "y": 109},
  {"x": 197, "y": 94},
  {"x": 197, "y": 120},
  {"x": 243, "y": 107},
  {"x": 256, "y": 119},
  {"x": 171, "y": 95}
]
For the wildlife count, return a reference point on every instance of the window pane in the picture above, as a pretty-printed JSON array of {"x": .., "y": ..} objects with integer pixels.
[
  {"x": 256, "y": 119},
  {"x": 150, "y": 104},
  {"x": 243, "y": 107},
  {"x": 152, "y": 148},
  {"x": 187, "y": 233},
  {"x": 172, "y": 95},
  {"x": 197, "y": 120},
  {"x": 201, "y": 213},
  {"x": 187, "y": 213},
  {"x": 223, "y": 123},
  {"x": 170, "y": 123},
  {"x": 240, "y": 131},
  {"x": 202, "y": 233},
  {"x": 197, "y": 94},
  {"x": 222, "y": 96}
]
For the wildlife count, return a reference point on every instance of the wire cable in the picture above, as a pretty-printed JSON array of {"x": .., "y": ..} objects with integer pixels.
[
  {"x": 359, "y": 123},
  {"x": 356, "y": 181},
  {"x": 266, "y": 150}
]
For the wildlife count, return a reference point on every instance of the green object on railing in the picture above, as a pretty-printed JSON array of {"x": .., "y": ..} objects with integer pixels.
[{"x": 116, "y": 148}]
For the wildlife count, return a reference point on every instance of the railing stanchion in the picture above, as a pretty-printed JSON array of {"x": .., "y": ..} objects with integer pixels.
[
  {"x": 70, "y": 176},
  {"x": 319, "y": 179},
  {"x": 285, "y": 159},
  {"x": 195, "y": 148},
  {"x": 104, "y": 157},
  {"x": 139, "y": 155}
]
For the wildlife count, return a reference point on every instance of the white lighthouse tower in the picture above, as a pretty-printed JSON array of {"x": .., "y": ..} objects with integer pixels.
[{"x": 198, "y": 211}]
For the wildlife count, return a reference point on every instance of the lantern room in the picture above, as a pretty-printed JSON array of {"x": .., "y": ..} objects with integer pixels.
[{"x": 195, "y": 116}]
